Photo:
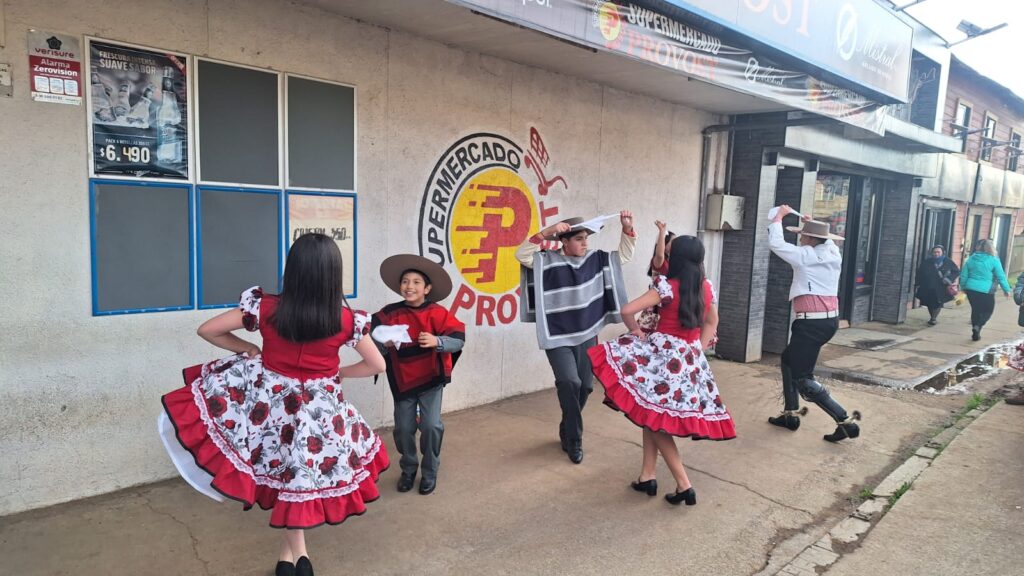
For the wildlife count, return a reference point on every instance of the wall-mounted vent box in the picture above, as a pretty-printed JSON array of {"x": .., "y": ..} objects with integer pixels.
[{"x": 724, "y": 212}]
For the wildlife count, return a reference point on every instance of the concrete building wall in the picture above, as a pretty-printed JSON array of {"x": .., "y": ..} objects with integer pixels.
[{"x": 81, "y": 393}]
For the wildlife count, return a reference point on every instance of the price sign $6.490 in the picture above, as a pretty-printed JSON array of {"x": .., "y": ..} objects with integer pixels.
[{"x": 133, "y": 154}]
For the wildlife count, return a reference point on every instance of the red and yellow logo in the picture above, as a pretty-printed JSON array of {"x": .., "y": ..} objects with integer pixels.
[
  {"x": 477, "y": 209},
  {"x": 493, "y": 215},
  {"x": 609, "y": 21}
]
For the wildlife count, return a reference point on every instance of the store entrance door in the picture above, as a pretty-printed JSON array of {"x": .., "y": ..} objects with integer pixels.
[{"x": 852, "y": 206}]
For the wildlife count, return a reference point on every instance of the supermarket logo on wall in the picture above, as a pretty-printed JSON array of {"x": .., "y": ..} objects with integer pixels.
[{"x": 486, "y": 195}]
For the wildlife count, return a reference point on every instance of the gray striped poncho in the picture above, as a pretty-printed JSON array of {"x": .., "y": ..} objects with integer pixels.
[{"x": 579, "y": 295}]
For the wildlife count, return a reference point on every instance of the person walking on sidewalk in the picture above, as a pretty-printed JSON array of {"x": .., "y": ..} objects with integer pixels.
[
  {"x": 982, "y": 273},
  {"x": 816, "y": 263},
  {"x": 663, "y": 382},
  {"x": 418, "y": 372},
  {"x": 936, "y": 282},
  {"x": 571, "y": 294}
]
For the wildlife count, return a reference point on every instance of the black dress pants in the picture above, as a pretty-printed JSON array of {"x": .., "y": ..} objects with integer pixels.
[
  {"x": 798, "y": 362},
  {"x": 574, "y": 381}
]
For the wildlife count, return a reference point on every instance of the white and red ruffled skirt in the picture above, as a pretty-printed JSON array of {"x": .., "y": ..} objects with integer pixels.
[
  {"x": 296, "y": 447},
  {"x": 662, "y": 383}
]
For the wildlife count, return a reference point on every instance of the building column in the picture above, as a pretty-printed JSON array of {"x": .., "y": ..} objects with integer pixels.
[
  {"x": 796, "y": 188},
  {"x": 743, "y": 279},
  {"x": 893, "y": 273}
]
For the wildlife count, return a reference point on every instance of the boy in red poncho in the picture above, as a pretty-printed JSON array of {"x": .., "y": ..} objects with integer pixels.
[{"x": 419, "y": 370}]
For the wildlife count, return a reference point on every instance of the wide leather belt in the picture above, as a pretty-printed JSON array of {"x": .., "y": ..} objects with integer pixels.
[{"x": 816, "y": 315}]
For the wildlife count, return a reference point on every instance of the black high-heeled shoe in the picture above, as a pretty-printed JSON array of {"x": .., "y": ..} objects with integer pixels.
[
  {"x": 689, "y": 496},
  {"x": 284, "y": 569},
  {"x": 303, "y": 567},
  {"x": 649, "y": 486}
]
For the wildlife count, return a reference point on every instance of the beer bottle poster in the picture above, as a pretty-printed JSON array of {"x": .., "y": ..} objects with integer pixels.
[
  {"x": 333, "y": 215},
  {"x": 138, "y": 112}
]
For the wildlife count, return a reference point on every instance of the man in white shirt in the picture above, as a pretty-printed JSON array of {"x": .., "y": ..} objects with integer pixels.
[{"x": 817, "y": 264}]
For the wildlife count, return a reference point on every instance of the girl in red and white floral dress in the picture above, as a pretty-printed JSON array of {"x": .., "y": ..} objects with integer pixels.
[
  {"x": 663, "y": 382},
  {"x": 273, "y": 427}
]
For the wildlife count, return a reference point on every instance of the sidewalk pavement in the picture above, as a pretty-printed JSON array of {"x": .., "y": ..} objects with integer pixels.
[
  {"x": 932, "y": 350},
  {"x": 963, "y": 515},
  {"x": 509, "y": 501}
]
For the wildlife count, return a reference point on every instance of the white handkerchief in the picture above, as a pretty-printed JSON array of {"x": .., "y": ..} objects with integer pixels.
[
  {"x": 772, "y": 212},
  {"x": 399, "y": 334},
  {"x": 594, "y": 224}
]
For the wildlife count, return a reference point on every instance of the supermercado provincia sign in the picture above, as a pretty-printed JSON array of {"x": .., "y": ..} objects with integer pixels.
[
  {"x": 486, "y": 195},
  {"x": 646, "y": 35}
]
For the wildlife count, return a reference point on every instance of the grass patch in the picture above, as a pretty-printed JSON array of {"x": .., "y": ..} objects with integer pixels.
[
  {"x": 866, "y": 494},
  {"x": 899, "y": 492},
  {"x": 975, "y": 401}
]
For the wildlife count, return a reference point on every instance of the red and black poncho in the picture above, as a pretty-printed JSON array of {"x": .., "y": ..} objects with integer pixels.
[{"x": 412, "y": 369}]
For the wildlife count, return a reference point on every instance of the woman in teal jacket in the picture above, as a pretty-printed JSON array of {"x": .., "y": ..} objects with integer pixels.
[{"x": 978, "y": 278}]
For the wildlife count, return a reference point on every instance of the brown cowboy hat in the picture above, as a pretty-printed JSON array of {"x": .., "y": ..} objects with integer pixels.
[
  {"x": 816, "y": 229},
  {"x": 574, "y": 226},
  {"x": 393, "y": 267}
]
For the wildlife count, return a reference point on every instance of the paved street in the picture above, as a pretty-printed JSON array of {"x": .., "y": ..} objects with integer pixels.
[{"x": 509, "y": 501}]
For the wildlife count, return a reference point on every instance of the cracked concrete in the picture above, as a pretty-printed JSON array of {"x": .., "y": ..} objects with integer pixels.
[
  {"x": 188, "y": 530},
  {"x": 752, "y": 491}
]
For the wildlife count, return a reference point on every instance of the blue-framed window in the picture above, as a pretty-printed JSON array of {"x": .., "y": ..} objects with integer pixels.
[
  {"x": 238, "y": 231},
  {"x": 332, "y": 213},
  {"x": 141, "y": 240},
  {"x": 161, "y": 245}
]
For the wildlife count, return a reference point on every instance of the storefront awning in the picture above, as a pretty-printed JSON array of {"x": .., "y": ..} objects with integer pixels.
[{"x": 476, "y": 31}]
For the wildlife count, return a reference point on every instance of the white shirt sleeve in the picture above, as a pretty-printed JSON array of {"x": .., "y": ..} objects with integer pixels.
[
  {"x": 525, "y": 252},
  {"x": 627, "y": 246},
  {"x": 792, "y": 254}
]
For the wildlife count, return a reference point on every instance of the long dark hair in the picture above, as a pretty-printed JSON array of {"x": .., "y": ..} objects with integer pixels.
[
  {"x": 312, "y": 299},
  {"x": 669, "y": 236},
  {"x": 687, "y": 267}
]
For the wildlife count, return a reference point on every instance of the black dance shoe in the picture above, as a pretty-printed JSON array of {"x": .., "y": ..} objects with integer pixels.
[
  {"x": 284, "y": 569},
  {"x": 427, "y": 485},
  {"x": 405, "y": 482},
  {"x": 789, "y": 419},
  {"x": 689, "y": 496},
  {"x": 649, "y": 486},
  {"x": 304, "y": 567},
  {"x": 576, "y": 452},
  {"x": 846, "y": 429}
]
